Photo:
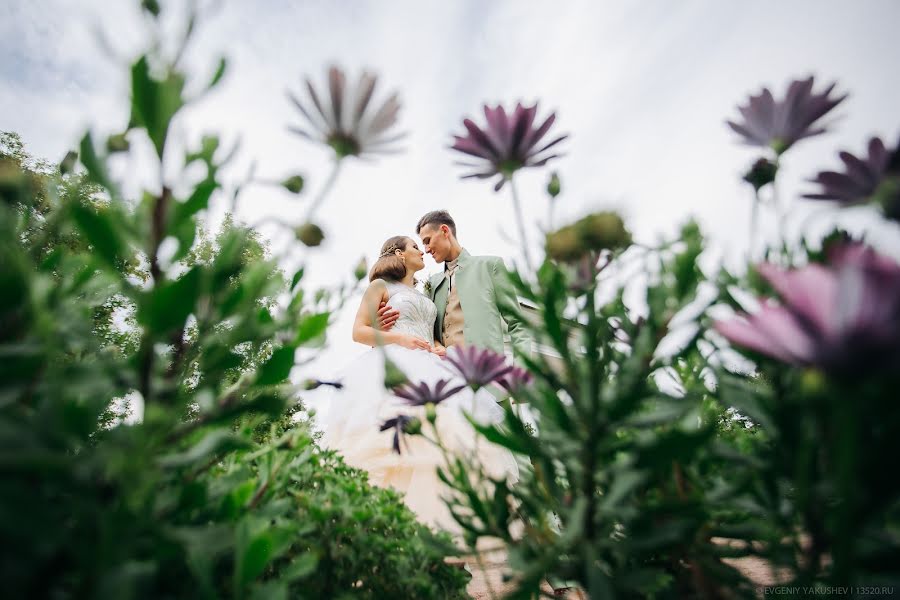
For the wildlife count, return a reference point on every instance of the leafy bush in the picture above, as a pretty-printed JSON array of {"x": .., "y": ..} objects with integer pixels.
[{"x": 110, "y": 306}]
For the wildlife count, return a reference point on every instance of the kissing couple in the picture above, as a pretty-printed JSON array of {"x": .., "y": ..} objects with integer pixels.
[{"x": 465, "y": 306}]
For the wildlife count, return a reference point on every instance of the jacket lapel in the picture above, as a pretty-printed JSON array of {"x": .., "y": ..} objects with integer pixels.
[{"x": 439, "y": 292}]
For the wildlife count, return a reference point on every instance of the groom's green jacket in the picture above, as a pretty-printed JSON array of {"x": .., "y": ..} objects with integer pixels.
[{"x": 486, "y": 296}]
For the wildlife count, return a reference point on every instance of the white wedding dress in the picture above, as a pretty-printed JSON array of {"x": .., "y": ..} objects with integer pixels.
[{"x": 357, "y": 411}]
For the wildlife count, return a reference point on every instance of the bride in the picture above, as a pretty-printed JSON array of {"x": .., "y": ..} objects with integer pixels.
[{"x": 409, "y": 464}]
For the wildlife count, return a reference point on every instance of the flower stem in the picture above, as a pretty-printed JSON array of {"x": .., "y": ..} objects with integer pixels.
[
  {"x": 754, "y": 224},
  {"x": 519, "y": 221},
  {"x": 324, "y": 191},
  {"x": 780, "y": 215},
  {"x": 550, "y": 215}
]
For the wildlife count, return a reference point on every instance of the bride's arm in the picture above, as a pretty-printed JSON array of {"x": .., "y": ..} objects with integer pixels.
[{"x": 365, "y": 329}]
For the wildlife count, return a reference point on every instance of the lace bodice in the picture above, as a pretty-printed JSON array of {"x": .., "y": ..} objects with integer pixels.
[{"x": 417, "y": 311}]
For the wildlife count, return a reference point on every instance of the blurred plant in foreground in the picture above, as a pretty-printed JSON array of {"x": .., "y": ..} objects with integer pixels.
[{"x": 212, "y": 490}]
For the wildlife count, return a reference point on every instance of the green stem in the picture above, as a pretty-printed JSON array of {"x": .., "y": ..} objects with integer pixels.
[
  {"x": 520, "y": 222},
  {"x": 779, "y": 216},
  {"x": 754, "y": 224},
  {"x": 593, "y": 401},
  {"x": 324, "y": 191},
  {"x": 550, "y": 214}
]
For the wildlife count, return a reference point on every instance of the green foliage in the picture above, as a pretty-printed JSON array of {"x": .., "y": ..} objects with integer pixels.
[
  {"x": 208, "y": 489},
  {"x": 652, "y": 461},
  {"x": 631, "y": 479}
]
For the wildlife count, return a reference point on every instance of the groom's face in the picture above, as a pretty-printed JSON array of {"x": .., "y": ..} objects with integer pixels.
[{"x": 436, "y": 240}]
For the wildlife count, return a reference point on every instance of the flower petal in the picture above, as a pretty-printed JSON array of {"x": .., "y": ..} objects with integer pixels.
[
  {"x": 336, "y": 87},
  {"x": 809, "y": 292}
]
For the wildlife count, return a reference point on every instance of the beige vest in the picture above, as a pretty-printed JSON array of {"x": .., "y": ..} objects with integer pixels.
[{"x": 454, "y": 322}]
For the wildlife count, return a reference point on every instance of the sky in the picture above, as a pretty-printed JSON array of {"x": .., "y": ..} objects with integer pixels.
[{"x": 643, "y": 87}]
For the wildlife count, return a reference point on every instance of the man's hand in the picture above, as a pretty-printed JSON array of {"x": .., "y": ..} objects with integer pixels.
[
  {"x": 439, "y": 350},
  {"x": 386, "y": 316}
]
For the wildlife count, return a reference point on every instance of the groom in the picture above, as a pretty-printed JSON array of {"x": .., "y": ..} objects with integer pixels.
[{"x": 473, "y": 293}]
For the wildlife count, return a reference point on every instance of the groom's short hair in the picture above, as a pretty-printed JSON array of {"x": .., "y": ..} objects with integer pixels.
[{"x": 440, "y": 217}]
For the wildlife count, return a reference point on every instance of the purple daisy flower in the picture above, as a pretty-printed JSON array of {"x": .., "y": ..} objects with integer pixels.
[
  {"x": 515, "y": 380},
  {"x": 507, "y": 143},
  {"x": 842, "y": 318},
  {"x": 875, "y": 177},
  {"x": 346, "y": 119},
  {"x": 478, "y": 366},
  {"x": 420, "y": 394},
  {"x": 779, "y": 124},
  {"x": 400, "y": 424}
]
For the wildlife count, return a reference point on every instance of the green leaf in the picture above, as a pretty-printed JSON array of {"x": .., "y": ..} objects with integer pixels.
[
  {"x": 68, "y": 163},
  {"x": 270, "y": 590},
  {"x": 167, "y": 306},
  {"x": 297, "y": 277},
  {"x": 217, "y": 76},
  {"x": 674, "y": 445},
  {"x": 254, "y": 558},
  {"x": 312, "y": 329},
  {"x": 186, "y": 233},
  {"x": 748, "y": 397},
  {"x": 278, "y": 367},
  {"x": 197, "y": 201},
  {"x": 203, "y": 545},
  {"x": 513, "y": 436},
  {"x": 96, "y": 167},
  {"x": 99, "y": 231},
  {"x": 213, "y": 443},
  {"x": 235, "y": 501},
  {"x": 623, "y": 485},
  {"x": 151, "y": 6},
  {"x": 208, "y": 146},
  {"x": 663, "y": 411},
  {"x": 154, "y": 102},
  {"x": 301, "y": 567}
]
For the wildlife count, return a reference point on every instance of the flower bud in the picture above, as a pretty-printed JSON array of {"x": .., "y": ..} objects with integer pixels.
[
  {"x": 361, "y": 269},
  {"x": 393, "y": 376},
  {"x": 293, "y": 184},
  {"x": 413, "y": 426},
  {"x": 431, "y": 412},
  {"x": 564, "y": 245},
  {"x": 887, "y": 196},
  {"x": 554, "y": 186},
  {"x": 761, "y": 173},
  {"x": 310, "y": 234},
  {"x": 599, "y": 231},
  {"x": 603, "y": 231}
]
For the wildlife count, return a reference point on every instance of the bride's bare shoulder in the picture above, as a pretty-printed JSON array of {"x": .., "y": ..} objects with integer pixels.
[{"x": 377, "y": 287}]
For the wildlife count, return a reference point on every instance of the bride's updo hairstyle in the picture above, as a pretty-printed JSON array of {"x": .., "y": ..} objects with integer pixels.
[{"x": 389, "y": 266}]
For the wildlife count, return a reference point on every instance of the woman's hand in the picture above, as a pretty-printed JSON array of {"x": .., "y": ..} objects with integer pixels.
[
  {"x": 412, "y": 342},
  {"x": 439, "y": 350}
]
